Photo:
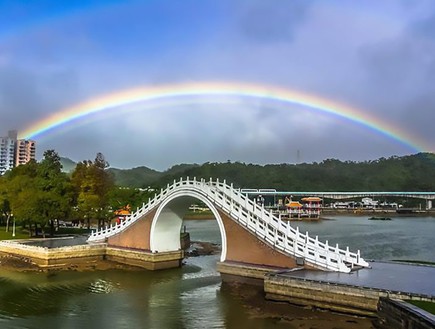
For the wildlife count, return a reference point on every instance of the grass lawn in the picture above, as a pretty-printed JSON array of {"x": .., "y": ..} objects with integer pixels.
[
  {"x": 427, "y": 306},
  {"x": 20, "y": 234},
  {"x": 8, "y": 235}
]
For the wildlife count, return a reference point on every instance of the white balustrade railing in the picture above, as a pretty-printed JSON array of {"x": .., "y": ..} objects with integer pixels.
[{"x": 254, "y": 218}]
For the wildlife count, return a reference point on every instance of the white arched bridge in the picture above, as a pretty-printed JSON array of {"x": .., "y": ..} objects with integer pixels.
[{"x": 250, "y": 234}]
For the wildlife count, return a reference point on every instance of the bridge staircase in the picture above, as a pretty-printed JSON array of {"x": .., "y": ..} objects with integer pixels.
[{"x": 268, "y": 228}]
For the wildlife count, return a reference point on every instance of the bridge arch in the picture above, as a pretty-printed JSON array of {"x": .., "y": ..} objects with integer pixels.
[{"x": 167, "y": 221}]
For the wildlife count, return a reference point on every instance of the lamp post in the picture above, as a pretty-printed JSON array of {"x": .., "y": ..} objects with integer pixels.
[{"x": 13, "y": 225}]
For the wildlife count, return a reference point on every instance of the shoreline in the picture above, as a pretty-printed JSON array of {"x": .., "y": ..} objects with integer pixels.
[
  {"x": 336, "y": 212},
  {"x": 393, "y": 213}
]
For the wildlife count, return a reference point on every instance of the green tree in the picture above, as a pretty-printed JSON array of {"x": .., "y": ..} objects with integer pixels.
[
  {"x": 5, "y": 206},
  {"x": 55, "y": 191},
  {"x": 120, "y": 197},
  {"x": 22, "y": 192},
  {"x": 92, "y": 184},
  {"x": 39, "y": 193}
]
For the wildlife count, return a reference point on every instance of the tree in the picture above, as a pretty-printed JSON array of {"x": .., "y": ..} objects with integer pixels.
[
  {"x": 121, "y": 197},
  {"x": 103, "y": 184},
  {"x": 92, "y": 184},
  {"x": 39, "y": 193},
  {"x": 54, "y": 191},
  {"x": 5, "y": 206},
  {"x": 22, "y": 192}
]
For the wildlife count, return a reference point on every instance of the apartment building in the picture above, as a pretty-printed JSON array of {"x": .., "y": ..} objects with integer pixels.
[
  {"x": 25, "y": 151},
  {"x": 14, "y": 151},
  {"x": 7, "y": 152}
]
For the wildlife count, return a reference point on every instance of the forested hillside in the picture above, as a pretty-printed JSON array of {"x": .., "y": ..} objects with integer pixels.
[
  {"x": 136, "y": 177},
  {"x": 144, "y": 177},
  {"x": 408, "y": 173}
]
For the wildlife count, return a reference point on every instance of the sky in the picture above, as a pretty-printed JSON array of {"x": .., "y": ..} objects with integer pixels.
[{"x": 374, "y": 56}]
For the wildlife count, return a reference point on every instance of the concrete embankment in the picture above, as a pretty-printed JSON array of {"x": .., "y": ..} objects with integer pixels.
[
  {"x": 89, "y": 255},
  {"x": 244, "y": 273},
  {"x": 322, "y": 295},
  {"x": 358, "y": 292},
  {"x": 361, "y": 293},
  {"x": 57, "y": 257},
  {"x": 397, "y": 314}
]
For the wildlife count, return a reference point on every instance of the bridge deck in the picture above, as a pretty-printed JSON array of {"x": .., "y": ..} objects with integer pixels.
[{"x": 393, "y": 277}]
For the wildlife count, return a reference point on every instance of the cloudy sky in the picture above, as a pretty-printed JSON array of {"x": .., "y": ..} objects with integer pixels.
[{"x": 376, "y": 56}]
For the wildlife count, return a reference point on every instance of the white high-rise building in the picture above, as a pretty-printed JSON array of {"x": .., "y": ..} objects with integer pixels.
[
  {"x": 7, "y": 152},
  {"x": 14, "y": 151}
]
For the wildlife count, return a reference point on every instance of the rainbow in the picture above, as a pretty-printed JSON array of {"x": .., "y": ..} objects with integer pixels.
[{"x": 175, "y": 92}]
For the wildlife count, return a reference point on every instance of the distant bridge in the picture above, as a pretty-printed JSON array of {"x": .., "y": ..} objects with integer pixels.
[
  {"x": 428, "y": 196},
  {"x": 250, "y": 234}
]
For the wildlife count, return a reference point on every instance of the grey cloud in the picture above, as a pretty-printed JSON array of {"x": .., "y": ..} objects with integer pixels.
[
  {"x": 272, "y": 21},
  {"x": 19, "y": 98},
  {"x": 400, "y": 76},
  {"x": 425, "y": 27},
  {"x": 396, "y": 65},
  {"x": 420, "y": 116},
  {"x": 26, "y": 96}
]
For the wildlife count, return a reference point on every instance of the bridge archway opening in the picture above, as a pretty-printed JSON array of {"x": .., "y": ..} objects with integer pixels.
[{"x": 168, "y": 220}]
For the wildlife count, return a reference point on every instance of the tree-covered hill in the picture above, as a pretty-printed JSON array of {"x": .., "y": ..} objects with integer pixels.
[
  {"x": 408, "y": 173},
  {"x": 68, "y": 165},
  {"x": 135, "y": 177},
  {"x": 144, "y": 176}
]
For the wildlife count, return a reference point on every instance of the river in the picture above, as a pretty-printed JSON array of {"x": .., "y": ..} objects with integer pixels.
[{"x": 193, "y": 295}]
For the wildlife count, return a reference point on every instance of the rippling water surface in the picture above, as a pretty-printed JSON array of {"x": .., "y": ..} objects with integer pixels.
[
  {"x": 402, "y": 238},
  {"x": 193, "y": 296}
]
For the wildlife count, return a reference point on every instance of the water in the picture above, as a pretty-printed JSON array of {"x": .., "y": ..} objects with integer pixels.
[
  {"x": 402, "y": 238},
  {"x": 193, "y": 296},
  {"x": 58, "y": 242}
]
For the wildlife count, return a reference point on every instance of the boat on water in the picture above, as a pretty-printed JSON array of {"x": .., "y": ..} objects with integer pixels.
[{"x": 379, "y": 218}]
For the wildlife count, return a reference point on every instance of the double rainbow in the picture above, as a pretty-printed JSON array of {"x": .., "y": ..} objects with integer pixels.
[{"x": 176, "y": 92}]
